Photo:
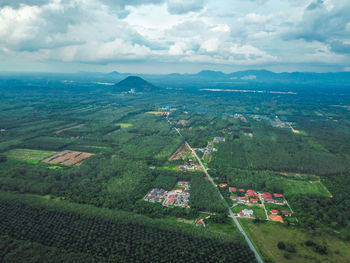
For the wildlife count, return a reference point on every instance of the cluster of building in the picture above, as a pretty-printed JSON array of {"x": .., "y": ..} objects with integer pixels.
[
  {"x": 156, "y": 195},
  {"x": 240, "y": 116},
  {"x": 176, "y": 197},
  {"x": 252, "y": 197},
  {"x": 179, "y": 196},
  {"x": 275, "y": 198}
]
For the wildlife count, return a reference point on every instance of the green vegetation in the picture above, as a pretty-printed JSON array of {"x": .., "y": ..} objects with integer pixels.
[
  {"x": 94, "y": 234},
  {"x": 29, "y": 155},
  {"x": 204, "y": 197},
  {"x": 165, "y": 181},
  {"x": 268, "y": 237},
  {"x": 270, "y": 181},
  {"x": 133, "y": 142}
]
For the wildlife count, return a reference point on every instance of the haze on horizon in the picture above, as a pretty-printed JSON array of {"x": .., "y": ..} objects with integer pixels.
[{"x": 164, "y": 36}]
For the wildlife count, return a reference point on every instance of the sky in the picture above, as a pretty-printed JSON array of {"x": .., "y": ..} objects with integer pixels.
[{"x": 166, "y": 36}]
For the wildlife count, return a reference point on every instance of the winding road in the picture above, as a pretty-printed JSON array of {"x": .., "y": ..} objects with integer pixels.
[{"x": 250, "y": 244}]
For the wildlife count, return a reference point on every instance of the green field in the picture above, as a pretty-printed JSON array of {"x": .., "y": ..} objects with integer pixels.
[
  {"x": 265, "y": 237},
  {"x": 29, "y": 155},
  {"x": 304, "y": 187},
  {"x": 125, "y": 125}
]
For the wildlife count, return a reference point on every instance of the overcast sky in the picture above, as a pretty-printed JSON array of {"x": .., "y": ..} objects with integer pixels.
[{"x": 163, "y": 36}]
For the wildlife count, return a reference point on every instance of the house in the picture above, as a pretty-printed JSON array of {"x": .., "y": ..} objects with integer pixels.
[
  {"x": 267, "y": 195},
  {"x": 223, "y": 185},
  {"x": 277, "y": 195},
  {"x": 274, "y": 211},
  {"x": 171, "y": 201},
  {"x": 242, "y": 190},
  {"x": 276, "y": 218},
  {"x": 251, "y": 193},
  {"x": 182, "y": 167},
  {"x": 244, "y": 199},
  {"x": 240, "y": 203},
  {"x": 286, "y": 213},
  {"x": 232, "y": 189},
  {"x": 247, "y": 212},
  {"x": 178, "y": 190},
  {"x": 269, "y": 200},
  {"x": 200, "y": 222},
  {"x": 233, "y": 197},
  {"x": 219, "y": 139},
  {"x": 254, "y": 200}
]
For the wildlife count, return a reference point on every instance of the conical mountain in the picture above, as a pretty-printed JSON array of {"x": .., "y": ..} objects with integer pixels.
[{"x": 136, "y": 84}]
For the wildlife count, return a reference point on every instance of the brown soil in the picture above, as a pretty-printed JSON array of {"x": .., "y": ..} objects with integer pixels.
[{"x": 69, "y": 158}]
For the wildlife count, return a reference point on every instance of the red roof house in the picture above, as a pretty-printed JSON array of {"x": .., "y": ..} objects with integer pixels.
[
  {"x": 286, "y": 213},
  {"x": 274, "y": 211},
  {"x": 232, "y": 189},
  {"x": 233, "y": 197},
  {"x": 251, "y": 193},
  {"x": 223, "y": 185},
  {"x": 254, "y": 200},
  {"x": 278, "y": 195},
  {"x": 267, "y": 195},
  {"x": 242, "y": 190}
]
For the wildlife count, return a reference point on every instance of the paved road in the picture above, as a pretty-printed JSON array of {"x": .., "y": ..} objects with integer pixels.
[{"x": 258, "y": 258}]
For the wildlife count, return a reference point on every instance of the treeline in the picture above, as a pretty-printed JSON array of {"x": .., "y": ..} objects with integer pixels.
[
  {"x": 13, "y": 250},
  {"x": 125, "y": 240},
  {"x": 205, "y": 197},
  {"x": 317, "y": 212}
]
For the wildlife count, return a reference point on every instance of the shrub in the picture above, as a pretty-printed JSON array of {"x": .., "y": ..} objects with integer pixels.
[
  {"x": 290, "y": 248},
  {"x": 281, "y": 245}
]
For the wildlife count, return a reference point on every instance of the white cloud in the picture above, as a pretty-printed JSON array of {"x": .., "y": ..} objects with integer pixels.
[
  {"x": 173, "y": 31},
  {"x": 253, "y": 18}
]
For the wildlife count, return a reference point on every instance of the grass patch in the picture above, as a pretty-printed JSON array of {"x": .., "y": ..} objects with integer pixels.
[
  {"x": 304, "y": 187},
  {"x": 267, "y": 235},
  {"x": 29, "y": 155},
  {"x": 125, "y": 125}
]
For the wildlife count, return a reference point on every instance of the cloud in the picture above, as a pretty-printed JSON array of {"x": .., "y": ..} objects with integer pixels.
[
  {"x": 326, "y": 22},
  {"x": 184, "y": 6},
  {"x": 253, "y": 18}
]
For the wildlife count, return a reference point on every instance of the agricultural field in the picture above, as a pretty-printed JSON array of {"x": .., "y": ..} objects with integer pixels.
[
  {"x": 29, "y": 155},
  {"x": 68, "y": 158}
]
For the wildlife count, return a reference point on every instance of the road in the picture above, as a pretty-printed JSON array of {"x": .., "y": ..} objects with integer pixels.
[{"x": 250, "y": 244}]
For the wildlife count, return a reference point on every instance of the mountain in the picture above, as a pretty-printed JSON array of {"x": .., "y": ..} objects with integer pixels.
[{"x": 136, "y": 83}]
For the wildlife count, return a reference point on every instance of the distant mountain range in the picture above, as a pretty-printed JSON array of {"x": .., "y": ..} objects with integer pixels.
[{"x": 202, "y": 78}]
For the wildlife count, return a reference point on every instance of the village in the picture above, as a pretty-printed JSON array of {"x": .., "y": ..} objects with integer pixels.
[
  {"x": 179, "y": 196},
  {"x": 251, "y": 204}
]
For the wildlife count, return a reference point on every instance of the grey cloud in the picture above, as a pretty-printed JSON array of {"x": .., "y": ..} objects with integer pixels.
[
  {"x": 324, "y": 24},
  {"x": 184, "y": 6},
  {"x": 17, "y": 3},
  {"x": 340, "y": 47}
]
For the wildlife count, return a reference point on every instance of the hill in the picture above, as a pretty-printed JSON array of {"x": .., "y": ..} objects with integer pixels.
[{"x": 135, "y": 83}]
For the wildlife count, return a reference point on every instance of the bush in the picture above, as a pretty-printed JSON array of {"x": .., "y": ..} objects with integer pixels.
[
  {"x": 290, "y": 248},
  {"x": 310, "y": 243},
  {"x": 287, "y": 256},
  {"x": 281, "y": 245},
  {"x": 2, "y": 158}
]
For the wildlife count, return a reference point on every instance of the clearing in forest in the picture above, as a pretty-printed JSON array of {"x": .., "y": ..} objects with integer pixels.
[
  {"x": 180, "y": 153},
  {"x": 125, "y": 125},
  {"x": 68, "y": 158},
  {"x": 29, "y": 155}
]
